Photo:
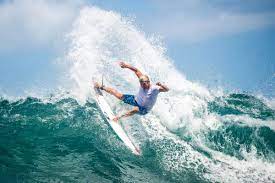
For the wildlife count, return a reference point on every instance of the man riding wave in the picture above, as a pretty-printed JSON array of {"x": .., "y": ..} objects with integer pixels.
[{"x": 144, "y": 100}]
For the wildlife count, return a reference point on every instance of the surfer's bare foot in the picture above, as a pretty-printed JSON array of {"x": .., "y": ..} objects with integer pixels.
[
  {"x": 99, "y": 86},
  {"x": 116, "y": 119}
]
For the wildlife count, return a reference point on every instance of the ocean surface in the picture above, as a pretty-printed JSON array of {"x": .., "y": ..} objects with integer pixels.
[
  {"x": 68, "y": 142},
  {"x": 193, "y": 134}
]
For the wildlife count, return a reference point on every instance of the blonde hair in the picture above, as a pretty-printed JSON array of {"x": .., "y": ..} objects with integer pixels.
[{"x": 143, "y": 77}]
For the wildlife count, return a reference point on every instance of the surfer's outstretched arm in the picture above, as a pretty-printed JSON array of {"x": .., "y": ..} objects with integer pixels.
[
  {"x": 127, "y": 114},
  {"x": 128, "y": 66}
]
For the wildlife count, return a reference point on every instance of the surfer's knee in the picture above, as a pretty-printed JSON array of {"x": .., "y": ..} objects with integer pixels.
[
  {"x": 142, "y": 110},
  {"x": 120, "y": 96}
]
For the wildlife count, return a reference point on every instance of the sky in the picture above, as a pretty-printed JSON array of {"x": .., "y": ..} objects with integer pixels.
[{"x": 217, "y": 43}]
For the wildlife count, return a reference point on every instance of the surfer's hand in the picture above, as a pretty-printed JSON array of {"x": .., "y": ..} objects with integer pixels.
[
  {"x": 122, "y": 64},
  {"x": 163, "y": 88},
  {"x": 159, "y": 84}
]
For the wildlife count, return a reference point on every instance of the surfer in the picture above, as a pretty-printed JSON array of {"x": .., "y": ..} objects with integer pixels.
[{"x": 144, "y": 100}]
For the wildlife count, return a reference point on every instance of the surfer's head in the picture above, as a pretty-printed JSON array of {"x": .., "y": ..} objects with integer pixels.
[{"x": 144, "y": 82}]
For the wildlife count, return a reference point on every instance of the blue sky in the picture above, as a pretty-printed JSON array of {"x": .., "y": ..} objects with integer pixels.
[{"x": 228, "y": 43}]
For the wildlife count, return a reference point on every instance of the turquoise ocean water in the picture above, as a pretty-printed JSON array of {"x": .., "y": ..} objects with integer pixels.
[{"x": 68, "y": 142}]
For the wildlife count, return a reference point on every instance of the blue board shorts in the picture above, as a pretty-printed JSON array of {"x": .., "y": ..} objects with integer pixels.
[{"x": 130, "y": 99}]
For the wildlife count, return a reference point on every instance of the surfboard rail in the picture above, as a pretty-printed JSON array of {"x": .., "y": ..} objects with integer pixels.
[{"x": 109, "y": 115}]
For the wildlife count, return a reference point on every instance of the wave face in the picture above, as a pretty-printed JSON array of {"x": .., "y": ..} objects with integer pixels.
[
  {"x": 66, "y": 141},
  {"x": 191, "y": 135}
]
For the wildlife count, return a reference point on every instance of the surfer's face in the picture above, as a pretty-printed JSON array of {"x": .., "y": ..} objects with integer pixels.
[{"x": 145, "y": 84}]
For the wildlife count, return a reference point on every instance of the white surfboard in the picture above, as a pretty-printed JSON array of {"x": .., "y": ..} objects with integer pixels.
[{"x": 109, "y": 115}]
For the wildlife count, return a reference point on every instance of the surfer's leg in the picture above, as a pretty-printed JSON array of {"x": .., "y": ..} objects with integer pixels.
[
  {"x": 113, "y": 92},
  {"x": 109, "y": 90}
]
